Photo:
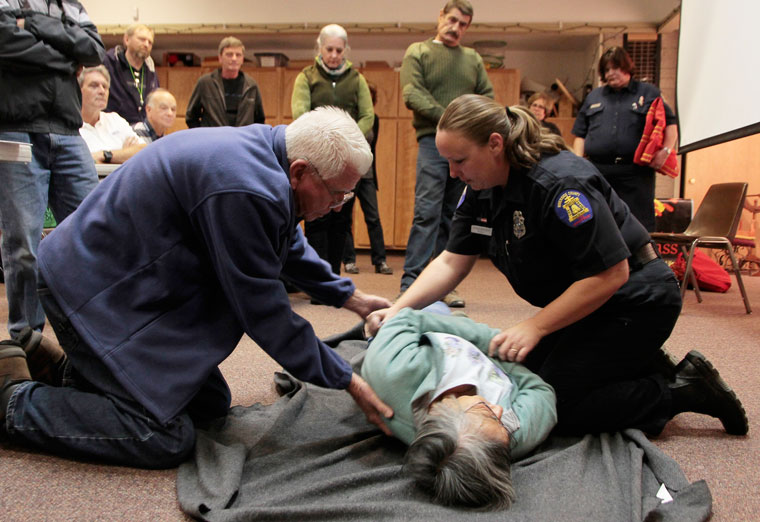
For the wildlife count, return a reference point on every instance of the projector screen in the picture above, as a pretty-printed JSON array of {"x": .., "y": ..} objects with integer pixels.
[{"x": 718, "y": 77}]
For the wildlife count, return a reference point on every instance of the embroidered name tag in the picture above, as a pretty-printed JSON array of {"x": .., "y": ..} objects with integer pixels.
[
  {"x": 483, "y": 231},
  {"x": 572, "y": 208},
  {"x": 594, "y": 105}
]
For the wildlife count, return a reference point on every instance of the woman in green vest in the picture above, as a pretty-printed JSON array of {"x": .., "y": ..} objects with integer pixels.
[{"x": 332, "y": 81}]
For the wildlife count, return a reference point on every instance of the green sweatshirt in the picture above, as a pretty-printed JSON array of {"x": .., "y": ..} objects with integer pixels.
[
  {"x": 401, "y": 367},
  {"x": 432, "y": 75}
]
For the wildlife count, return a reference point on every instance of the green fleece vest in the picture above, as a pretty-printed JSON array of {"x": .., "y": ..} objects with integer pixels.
[{"x": 342, "y": 91}]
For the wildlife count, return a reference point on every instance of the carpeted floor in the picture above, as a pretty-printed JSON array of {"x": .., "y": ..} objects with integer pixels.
[{"x": 35, "y": 486}]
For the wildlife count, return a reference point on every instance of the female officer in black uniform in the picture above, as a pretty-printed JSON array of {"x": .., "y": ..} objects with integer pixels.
[{"x": 569, "y": 245}]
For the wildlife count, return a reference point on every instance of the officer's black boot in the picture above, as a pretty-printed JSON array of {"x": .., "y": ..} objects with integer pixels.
[
  {"x": 699, "y": 388},
  {"x": 13, "y": 371}
]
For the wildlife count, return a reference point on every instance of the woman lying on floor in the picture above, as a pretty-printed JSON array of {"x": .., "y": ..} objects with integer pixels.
[{"x": 465, "y": 415}]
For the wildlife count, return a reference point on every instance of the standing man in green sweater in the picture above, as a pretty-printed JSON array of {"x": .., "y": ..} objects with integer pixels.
[{"x": 433, "y": 73}]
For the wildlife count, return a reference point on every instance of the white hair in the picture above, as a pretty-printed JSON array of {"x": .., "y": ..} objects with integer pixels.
[
  {"x": 330, "y": 140},
  {"x": 332, "y": 31}
]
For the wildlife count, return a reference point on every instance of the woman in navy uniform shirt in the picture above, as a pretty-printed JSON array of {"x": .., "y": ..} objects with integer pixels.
[
  {"x": 570, "y": 246},
  {"x": 609, "y": 126}
]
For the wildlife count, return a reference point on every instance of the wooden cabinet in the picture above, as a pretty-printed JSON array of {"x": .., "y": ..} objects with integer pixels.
[{"x": 396, "y": 145}]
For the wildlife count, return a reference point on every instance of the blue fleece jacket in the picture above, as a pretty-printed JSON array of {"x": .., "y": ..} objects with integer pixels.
[{"x": 176, "y": 254}]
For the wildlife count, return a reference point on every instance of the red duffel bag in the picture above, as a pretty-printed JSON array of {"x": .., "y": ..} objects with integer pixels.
[{"x": 711, "y": 277}]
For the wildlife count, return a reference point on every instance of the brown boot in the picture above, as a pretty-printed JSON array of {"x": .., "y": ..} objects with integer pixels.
[
  {"x": 44, "y": 357},
  {"x": 13, "y": 371}
]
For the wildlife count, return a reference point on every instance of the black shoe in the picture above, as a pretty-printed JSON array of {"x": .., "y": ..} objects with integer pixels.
[
  {"x": 665, "y": 364},
  {"x": 383, "y": 268},
  {"x": 698, "y": 387}
]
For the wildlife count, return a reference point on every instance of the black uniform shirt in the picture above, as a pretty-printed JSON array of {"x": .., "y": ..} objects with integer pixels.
[
  {"x": 552, "y": 225},
  {"x": 612, "y": 122}
]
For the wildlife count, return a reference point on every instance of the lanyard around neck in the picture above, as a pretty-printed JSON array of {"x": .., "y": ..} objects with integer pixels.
[{"x": 138, "y": 84}]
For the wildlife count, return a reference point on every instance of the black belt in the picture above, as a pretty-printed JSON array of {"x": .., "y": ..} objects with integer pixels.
[
  {"x": 611, "y": 160},
  {"x": 642, "y": 256}
]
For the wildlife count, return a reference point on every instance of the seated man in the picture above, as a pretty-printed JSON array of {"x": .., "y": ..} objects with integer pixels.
[
  {"x": 464, "y": 414},
  {"x": 108, "y": 136},
  {"x": 160, "y": 113}
]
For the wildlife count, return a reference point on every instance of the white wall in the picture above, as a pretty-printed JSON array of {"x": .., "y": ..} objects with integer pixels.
[{"x": 362, "y": 11}]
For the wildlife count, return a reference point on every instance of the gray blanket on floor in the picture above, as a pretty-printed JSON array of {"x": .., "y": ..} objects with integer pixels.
[{"x": 313, "y": 456}]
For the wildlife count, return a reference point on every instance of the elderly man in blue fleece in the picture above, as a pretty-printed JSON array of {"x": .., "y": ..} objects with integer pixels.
[
  {"x": 464, "y": 414},
  {"x": 151, "y": 283}
]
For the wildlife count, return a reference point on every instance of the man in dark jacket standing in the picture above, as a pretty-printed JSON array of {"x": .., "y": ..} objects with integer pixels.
[
  {"x": 227, "y": 96},
  {"x": 42, "y": 44},
  {"x": 133, "y": 74}
]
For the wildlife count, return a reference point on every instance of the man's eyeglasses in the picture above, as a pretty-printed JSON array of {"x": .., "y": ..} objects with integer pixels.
[{"x": 339, "y": 197}]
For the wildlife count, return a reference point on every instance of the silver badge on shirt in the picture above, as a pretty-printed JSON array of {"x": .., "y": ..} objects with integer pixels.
[{"x": 518, "y": 224}]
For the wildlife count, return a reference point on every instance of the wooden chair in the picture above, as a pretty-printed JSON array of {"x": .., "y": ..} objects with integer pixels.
[{"x": 714, "y": 226}]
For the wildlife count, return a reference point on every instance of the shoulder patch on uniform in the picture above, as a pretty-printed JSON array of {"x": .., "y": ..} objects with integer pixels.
[{"x": 572, "y": 208}]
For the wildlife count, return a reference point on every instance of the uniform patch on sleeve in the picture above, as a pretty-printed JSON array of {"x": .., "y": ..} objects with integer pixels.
[{"x": 572, "y": 208}]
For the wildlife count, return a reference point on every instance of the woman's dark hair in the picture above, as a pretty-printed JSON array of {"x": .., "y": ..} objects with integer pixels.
[{"x": 618, "y": 57}]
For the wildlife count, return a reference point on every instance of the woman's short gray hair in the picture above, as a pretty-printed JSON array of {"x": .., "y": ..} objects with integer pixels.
[
  {"x": 330, "y": 139},
  {"x": 452, "y": 460}
]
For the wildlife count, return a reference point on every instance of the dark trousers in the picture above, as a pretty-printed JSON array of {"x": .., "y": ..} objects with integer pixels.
[
  {"x": 327, "y": 235},
  {"x": 366, "y": 193},
  {"x": 601, "y": 367},
  {"x": 635, "y": 185},
  {"x": 93, "y": 417}
]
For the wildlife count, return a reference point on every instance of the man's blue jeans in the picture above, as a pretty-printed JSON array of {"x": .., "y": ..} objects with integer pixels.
[
  {"x": 92, "y": 416},
  {"x": 60, "y": 175},
  {"x": 436, "y": 195}
]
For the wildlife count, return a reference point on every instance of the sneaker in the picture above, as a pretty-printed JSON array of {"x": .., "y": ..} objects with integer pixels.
[
  {"x": 44, "y": 357},
  {"x": 351, "y": 268},
  {"x": 383, "y": 268},
  {"x": 453, "y": 300}
]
